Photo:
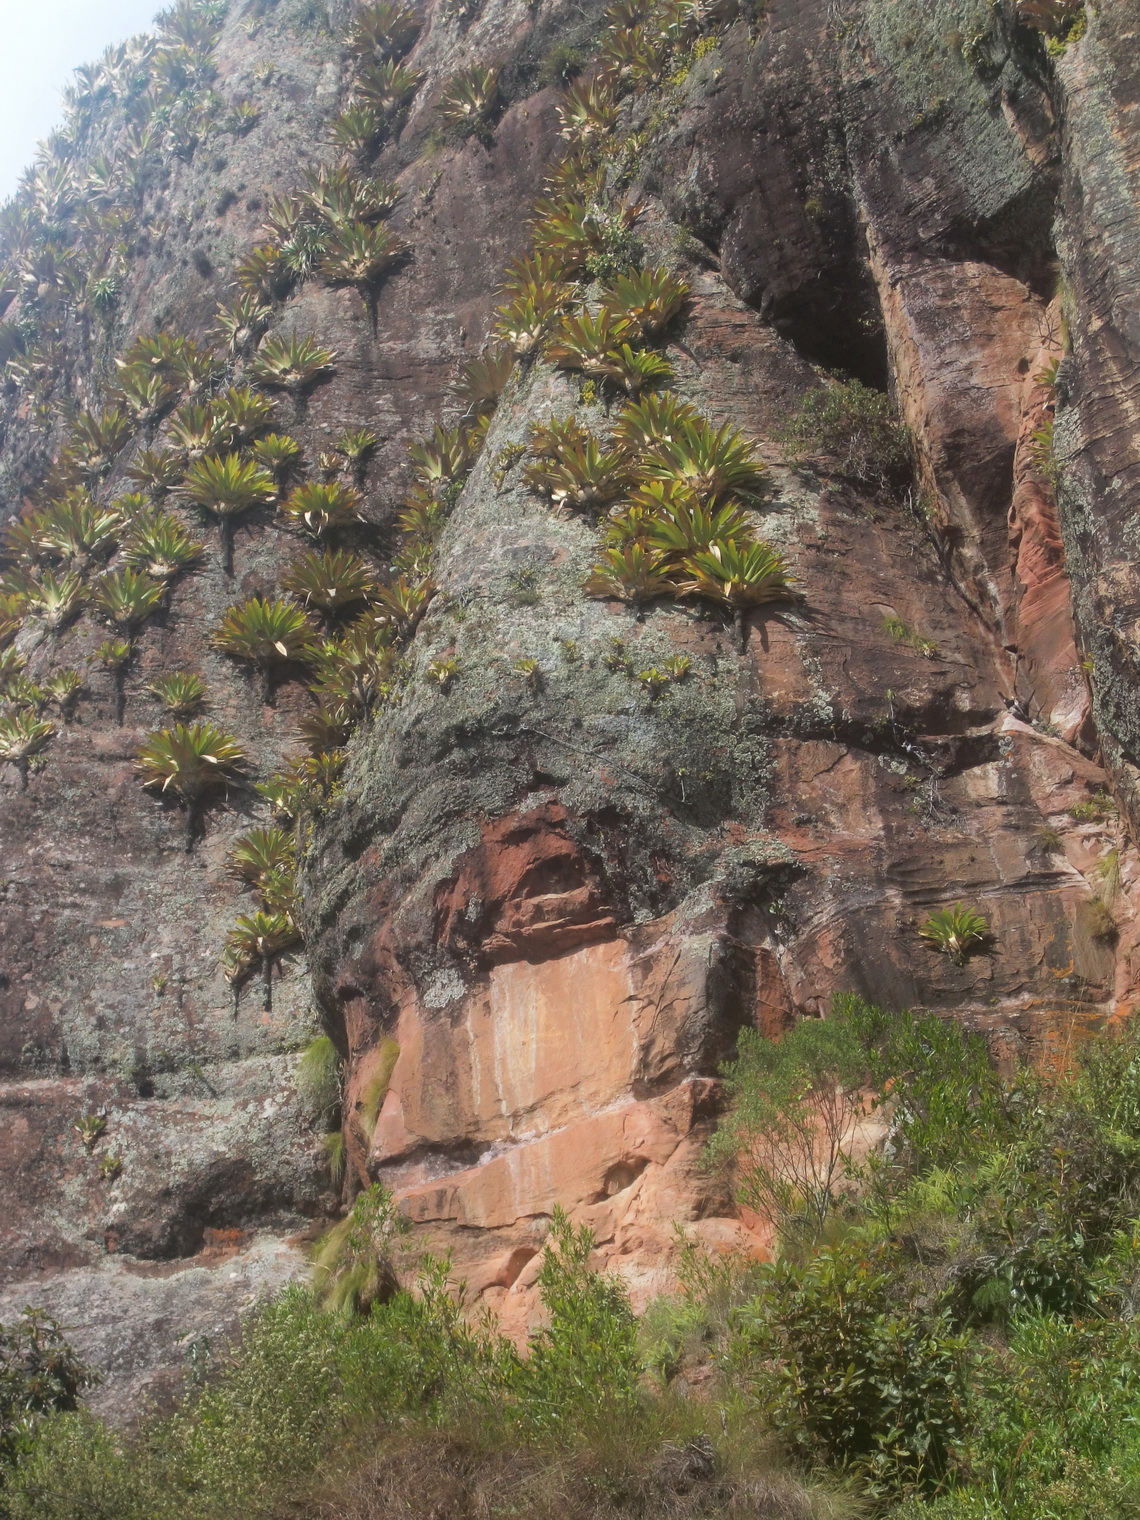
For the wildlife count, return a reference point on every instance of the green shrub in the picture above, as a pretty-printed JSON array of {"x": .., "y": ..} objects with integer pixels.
[
  {"x": 851, "y": 1371},
  {"x": 854, "y": 431},
  {"x": 582, "y": 1369}
]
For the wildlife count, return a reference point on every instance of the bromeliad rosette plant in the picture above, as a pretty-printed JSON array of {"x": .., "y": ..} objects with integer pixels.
[
  {"x": 955, "y": 932},
  {"x": 191, "y": 761}
]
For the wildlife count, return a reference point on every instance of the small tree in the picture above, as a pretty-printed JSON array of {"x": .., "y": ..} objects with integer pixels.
[{"x": 796, "y": 1103}]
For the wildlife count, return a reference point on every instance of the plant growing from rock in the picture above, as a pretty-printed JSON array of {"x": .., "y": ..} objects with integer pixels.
[
  {"x": 468, "y": 102},
  {"x": 584, "y": 338},
  {"x": 319, "y": 506},
  {"x": 642, "y": 424},
  {"x": 441, "y": 459},
  {"x": 582, "y": 477},
  {"x": 258, "y": 939},
  {"x": 358, "y": 128},
  {"x": 269, "y": 634},
  {"x": 278, "y": 453},
  {"x": 91, "y": 1129},
  {"x": 262, "y": 852},
  {"x": 384, "y": 30},
  {"x": 713, "y": 463},
  {"x": 76, "y": 529},
  {"x": 853, "y": 430},
  {"x": 99, "y": 437},
  {"x": 156, "y": 471},
  {"x": 244, "y": 414},
  {"x": 387, "y": 88},
  {"x": 353, "y": 1261},
  {"x": 955, "y": 932},
  {"x": 319, "y": 1078},
  {"x": 225, "y": 487},
  {"x": 481, "y": 382},
  {"x": 55, "y": 599},
  {"x": 739, "y": 577},
  {"x": 145, "y": 394},
  {"x": 331, "y": 581},
  {"x": 292, "y": 364},
  {"x": 182, "y": 692},
  {"x": 198, "y": 429},
  {"x": 648, "y": 298},
  {"x": 361, "y": 255},
  {"x": 159, "y": 545},
  {"x": 115, "y": 655},
  {"x": 191, "y": 761},
  {"x": 23, "y": 738},
  {"x": 339, "y": 197},
  {"x": 683, "y": 526},
  {"x": 587, "y": 111},
  {"x": 242, "y": 322},
  {"x": 357, "y": 445},
  {"x": 63, "y": 687},
  {"x": 402, "y": 603},
  {"x": 264, "y": 275},
  {"x": 633, "y": 574},
  {"x": 127, "y": 598}
]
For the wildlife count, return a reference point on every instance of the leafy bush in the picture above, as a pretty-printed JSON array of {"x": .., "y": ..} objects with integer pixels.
[
  {"x": 851, "y": 1371},
  {"x": 853, "y": 430}
]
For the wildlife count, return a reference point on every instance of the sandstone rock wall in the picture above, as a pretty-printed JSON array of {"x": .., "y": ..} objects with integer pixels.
[{"x": 541, "y": 908}]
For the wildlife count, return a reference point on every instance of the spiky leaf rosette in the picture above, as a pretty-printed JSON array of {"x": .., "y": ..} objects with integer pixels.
[
  {"x": 684, "y": 526},
  {"x": 182, "y": 692},
  {"x": 259, "y": 937},
  {"x": 243, "y": 321},
  {"x": 650, "y": 298},
  {"x": 261, "y": 851},
  {"x": 631, "y": 573},
  {"x": 127, "y": 597},
  {"x": 293, "y": 364},
  {"x": 587, "y": 111},
  {"x": 387, "y": 88},
  {"x": 245, "y": 414},
  {"x": 714, "y": 463},
  {"x": 338, "y": 196},
  {"x": 191, "y": 760},
  {"x": 279, "y": 453},
  {"x": 155, "y": 471},
  {"x": 75, "y": 528},
  {"x": 159, "y": 545},
  {"x": 739, "y": 575},
  {"x": 318, "y": 506},
  {"x": 198, "y": 429},
  {"x": 55, "y": 599},
  {"x": 267, "y": 633},
  {"x": 331, "y": 581},
  {"x": 361, "y": 254},
  {"x": 582, "y": 478},
  {"x": 469, "y": 100},
  {"x": 631, "y": 370},
  {"x": 23, "y": 735},
  {"x": 225, "y": 486},
  {"x": 442, "y": 458},
  {"x": 955, "y": 931},
  {"x": 384, "y": 30},
  {"x": 584, "y": 338},
  {"x": 357, "y": 129},
  {"x": 652, "y": 419},
  {"x": 481, "y": 381},
  {"x": 403, "y": 603}
]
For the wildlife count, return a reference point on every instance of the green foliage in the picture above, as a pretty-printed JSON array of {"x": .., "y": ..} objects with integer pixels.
[
  {"x": 852, "y": 1372},
  {"x": 291, "y": 364},
  {"x": 468, "y": 102},
  {"x": 182, "y": 692},
  {"x": 320, "y": 506},
  {"x": 955, "y": 931},
  {"x": 853, "y": 430},
  {"x": 158, "y": 545},
  {"x": 581, "y": 1373},
  {"x": 23, "y": 739},
  {"x": 39, "y": 1374},
  {"x": 266, "y": 632},
  {"x": 318, "y": 1077},
  {"x": 190, "y": 760},
  {"x": 127, "y": 597},
  {"x": 352, "y": 1263},
  {"x": 331, "y": 581}
]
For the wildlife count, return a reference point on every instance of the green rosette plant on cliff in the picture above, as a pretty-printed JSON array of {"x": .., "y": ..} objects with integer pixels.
[
  {"x": 267, "y": 633},
  {"x": 193, "y": 762},
  {"x": 955, "y": 932},
  {"x": 226, "y": 487}
]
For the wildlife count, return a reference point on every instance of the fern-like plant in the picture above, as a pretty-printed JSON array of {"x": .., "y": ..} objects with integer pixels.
[
  {"x": 268, "y": 634},
  {"x": 191, "y": 761}
]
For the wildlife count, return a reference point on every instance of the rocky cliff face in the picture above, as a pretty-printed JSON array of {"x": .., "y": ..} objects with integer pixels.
[{"x": 548, "y": 892}]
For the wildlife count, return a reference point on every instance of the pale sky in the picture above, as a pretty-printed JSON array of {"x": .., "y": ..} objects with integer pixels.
[{"x": 41, "y": 42}]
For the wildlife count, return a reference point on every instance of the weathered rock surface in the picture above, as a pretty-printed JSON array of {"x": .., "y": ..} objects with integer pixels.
[{"x": 542, "y": 908}]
